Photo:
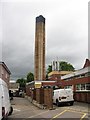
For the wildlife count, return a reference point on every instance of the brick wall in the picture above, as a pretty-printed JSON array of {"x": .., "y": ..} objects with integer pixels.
[
  {"x": 48, "y": 94},
  {"x": 82, "y": 96},
  {"x": 4, "y": 74},
  {"x": 40, "y": 95}
]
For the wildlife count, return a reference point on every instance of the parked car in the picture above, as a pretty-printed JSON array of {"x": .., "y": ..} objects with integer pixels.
[
  {"x": 11, "y": 94},
  {"x": 5, "y": 105},
  {"x": 61, "y": 96},
  {"x": 21, "y": 93}
]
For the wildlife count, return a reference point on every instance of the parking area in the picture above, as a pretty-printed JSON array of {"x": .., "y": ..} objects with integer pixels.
[{"x": 25, "y": 110}]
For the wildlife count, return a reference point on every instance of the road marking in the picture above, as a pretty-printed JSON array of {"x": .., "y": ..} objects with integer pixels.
[
  {"x": 58, "y": 114},
  {"x": 83, "y": 116},
  {"x": 75, "y": 111},
  {"x": 38, "y": 114}
]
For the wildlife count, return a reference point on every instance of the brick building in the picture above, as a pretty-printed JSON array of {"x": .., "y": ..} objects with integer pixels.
[
  {"x": 79, "y": 81},
  {"x": 4, "y": 73}
]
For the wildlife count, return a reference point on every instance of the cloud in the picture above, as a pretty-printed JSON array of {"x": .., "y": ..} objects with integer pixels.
[{"x": 66, "y": 33}]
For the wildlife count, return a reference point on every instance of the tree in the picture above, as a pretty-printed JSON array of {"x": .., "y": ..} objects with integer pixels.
[
  {"x": 64, "y": 66},
  {"x": 49, "y": 69},
  {"x": 22, "y": 82},
  {"x": 30, "y": 77}
]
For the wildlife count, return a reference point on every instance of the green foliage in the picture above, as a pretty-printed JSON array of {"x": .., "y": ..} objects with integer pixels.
[
  {"x": 46, "y": 77},
  {"x": 30, "y": 77},
  {"x": 49, "y": 69},
  {"x": 22, "y": 82},
  {"x": 64, "y": 66}
]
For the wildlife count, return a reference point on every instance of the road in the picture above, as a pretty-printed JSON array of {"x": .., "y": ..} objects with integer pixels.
[{"x": 25, "y": 110}]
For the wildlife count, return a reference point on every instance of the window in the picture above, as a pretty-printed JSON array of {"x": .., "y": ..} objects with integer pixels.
[
  {"x": 87, "y": 86},
  {"x": 88, "y": 73},
  {"x": 78, "y": 87},
  {"x": 69, "y": 86},
  {"x": 82, "y": 86}
]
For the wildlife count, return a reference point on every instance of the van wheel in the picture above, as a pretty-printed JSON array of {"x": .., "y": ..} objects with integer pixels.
[
  {"x": 11, "y": 110},
  {"x": 57, "y": 103},
  {"x": 71, "y": 103}
]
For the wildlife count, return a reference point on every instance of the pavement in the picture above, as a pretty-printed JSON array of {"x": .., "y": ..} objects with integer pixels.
[{"x": 24, "y": 108}]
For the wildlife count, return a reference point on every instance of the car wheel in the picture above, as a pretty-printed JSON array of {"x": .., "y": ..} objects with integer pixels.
[{"x": 57, "y": 103}]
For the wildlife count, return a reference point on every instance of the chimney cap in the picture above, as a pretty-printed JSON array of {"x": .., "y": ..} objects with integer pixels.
[{"x": 40, "y": 18}]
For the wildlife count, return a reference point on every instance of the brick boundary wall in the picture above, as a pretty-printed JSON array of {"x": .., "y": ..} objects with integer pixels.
[
  {"x": 48, "y": 94},
  {"x": 41, "y": 96},
  {"x": 82, "y": 97}
]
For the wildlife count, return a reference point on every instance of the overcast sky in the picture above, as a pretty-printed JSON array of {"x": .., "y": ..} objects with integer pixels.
[{"x": 66, "y": 32}]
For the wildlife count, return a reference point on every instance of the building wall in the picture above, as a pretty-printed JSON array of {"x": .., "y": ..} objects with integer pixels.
[
  {"x": 14, "y": 86},
  {"x": 82, "y": 94},
  {"x": 4, "y": 74},
  {"x": 74, "y": 82}
]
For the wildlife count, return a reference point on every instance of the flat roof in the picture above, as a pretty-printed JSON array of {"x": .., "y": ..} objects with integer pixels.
[
  {"x": 40, "y": 81},
  {"x": 59, "y": 72}
]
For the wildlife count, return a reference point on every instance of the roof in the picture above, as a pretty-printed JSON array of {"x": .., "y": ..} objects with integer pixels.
[
  {"x": 6, "y": 68},
  {"x": 39, "y": 82},
  {"x": 78, "y": 72},
  {"x": 87, "y": 63},
  {"x": 59, "y": 73}
]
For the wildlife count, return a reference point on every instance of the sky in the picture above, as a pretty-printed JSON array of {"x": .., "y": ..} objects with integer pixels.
[{"x": 66, "y": 33}]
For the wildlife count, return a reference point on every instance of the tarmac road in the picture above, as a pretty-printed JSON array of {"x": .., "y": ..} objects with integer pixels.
[{"x": 25, "y": 110}]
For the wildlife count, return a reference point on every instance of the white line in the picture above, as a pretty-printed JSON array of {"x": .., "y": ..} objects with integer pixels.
[{"x": 38, "y": 114}]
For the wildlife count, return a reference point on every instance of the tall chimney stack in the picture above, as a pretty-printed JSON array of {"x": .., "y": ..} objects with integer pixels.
[{"x": 39, "y": 70}]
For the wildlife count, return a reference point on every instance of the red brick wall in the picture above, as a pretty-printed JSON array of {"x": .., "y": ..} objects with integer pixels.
[
  {"x": 40, "y": 95},
  {"x": 28, "y": 91},
  {"x": 82, "y": 96},
  {"x": 48, "y": 100},
  {"x": 49, "y": 84},
  {"x": 75, "y": 81}
]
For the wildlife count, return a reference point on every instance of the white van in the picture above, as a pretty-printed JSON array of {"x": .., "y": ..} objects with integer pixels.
[
  {"x": 5, "y": 106},
  {"x": 0, "y": 107},
  {"x": 63, "y": 96}
]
